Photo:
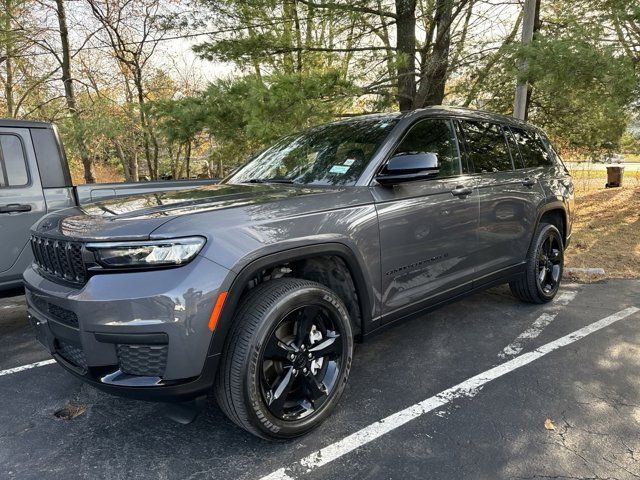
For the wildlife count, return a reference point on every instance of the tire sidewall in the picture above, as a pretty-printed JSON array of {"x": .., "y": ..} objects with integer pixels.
[
  {"x": 259, "y": 414},
  {"x": 547, "y": 231}
]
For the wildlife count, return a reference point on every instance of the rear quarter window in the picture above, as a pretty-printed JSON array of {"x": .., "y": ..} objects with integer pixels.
[
  {"x": 13, "y": 164},
  {"x": 532, "y": 149}
]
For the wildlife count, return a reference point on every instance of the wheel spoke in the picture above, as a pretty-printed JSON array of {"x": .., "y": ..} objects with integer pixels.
[
  {"x": 305, "y": 320},
  {"x": 555, "y": 255},
  {"x": 542, "y": 275},
  {"x": 331, "y": 346},
  {"x": 280, "y": 392},
  {"x": 555, "y": 273},
  {"x": 276, "y": 349},
  {"x": 315, "y": 389},
  {"x": 301, "y": 362}
]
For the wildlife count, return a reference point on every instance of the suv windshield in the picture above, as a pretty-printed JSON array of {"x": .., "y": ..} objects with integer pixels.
[{"x": 333, "y": 154}]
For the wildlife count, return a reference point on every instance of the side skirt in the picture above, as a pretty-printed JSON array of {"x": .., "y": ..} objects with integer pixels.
[{"x": 442, "y": 299}]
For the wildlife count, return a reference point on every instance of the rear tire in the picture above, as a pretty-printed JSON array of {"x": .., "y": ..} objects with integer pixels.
[
  {"x": 286, "y": 360},
  {"x": 544, "y": 267}
]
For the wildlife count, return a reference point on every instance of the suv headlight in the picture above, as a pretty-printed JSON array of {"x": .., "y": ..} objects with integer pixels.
[{"x": 145, "y": 254}]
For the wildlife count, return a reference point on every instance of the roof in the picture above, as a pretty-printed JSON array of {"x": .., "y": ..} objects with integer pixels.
[
  {"x": 443, "y": 110},
  {"x": 468, "y": 113},
  {"x": 369, "y": 116},
  {"x": 13, "y": 123}
]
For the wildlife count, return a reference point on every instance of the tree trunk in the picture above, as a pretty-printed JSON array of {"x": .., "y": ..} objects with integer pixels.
[
  {"x": 70, "y": 96},
  {"x": 8, "y": 86},
  {"x": 406, "y": 51},
  {"x": 126, "y": 164},
  {"x": 536, "y": 29},
  {"x": 188, "y": 159},
  {"x": 177, "y": 166},
  {"x": 296, "y": 21},
  {"x": 146, "y": 137},
  {"x": 156, "y": 149},
  {"x": 434, "y": 77},
  {"x": 287, "y": 36}
]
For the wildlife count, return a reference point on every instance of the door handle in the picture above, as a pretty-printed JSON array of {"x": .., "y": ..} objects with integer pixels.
[
  {"x": 529, "y": 182},
  {"x": 14, "y": 208},
  {"x": 461, "y": 191}
]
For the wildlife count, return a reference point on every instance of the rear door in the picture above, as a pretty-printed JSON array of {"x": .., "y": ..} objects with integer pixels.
[
  {"x": 508, "y": 197},
  {"x": 428, "y": 228},
  {"x": 21, "y": 199}
]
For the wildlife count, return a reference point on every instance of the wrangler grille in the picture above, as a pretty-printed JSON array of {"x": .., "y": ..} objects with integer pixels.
[{"x": 59, "y": 258}]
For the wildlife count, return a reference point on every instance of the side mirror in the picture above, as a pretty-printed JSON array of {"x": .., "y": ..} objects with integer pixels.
[{"x": 409, "y": 167}]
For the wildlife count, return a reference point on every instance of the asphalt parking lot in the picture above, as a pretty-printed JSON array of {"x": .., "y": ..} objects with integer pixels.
[{"x": 587, "y": 384}]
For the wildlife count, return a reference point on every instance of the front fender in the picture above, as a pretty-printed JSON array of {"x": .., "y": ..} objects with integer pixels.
[{"x": 249, "y": 266}]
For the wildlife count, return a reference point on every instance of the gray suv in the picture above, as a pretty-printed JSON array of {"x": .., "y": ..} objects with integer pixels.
[{"x": 257, "y": 288}]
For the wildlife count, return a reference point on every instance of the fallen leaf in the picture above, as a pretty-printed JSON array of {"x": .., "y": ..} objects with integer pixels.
[
  {"x": 70, "y": 411},
  {"x": 549, "y": 425}
]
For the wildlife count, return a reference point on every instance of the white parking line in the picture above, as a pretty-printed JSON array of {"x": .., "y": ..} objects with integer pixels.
[
  {"x": 515, "y": 347},
  {"x": 26, "y": 367},
  {"x": 468, "y": 388}
]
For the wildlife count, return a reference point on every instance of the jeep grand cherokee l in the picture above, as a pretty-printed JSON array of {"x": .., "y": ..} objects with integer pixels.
[{"x": 257, "y": 287}]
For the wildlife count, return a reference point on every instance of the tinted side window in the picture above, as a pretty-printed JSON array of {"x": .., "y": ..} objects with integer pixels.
[
  {"x": 531, "y": 148},
  {"x": 487, "y": 147},
  {"x": 515, "y": 151},
  {"x": 13, "y": 166},
  {"x": 554, "y": 155},
  {"x": 433, "y": 136}
]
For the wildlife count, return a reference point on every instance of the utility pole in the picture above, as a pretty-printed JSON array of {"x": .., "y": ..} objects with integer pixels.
[{"x": 529, "y": 26}]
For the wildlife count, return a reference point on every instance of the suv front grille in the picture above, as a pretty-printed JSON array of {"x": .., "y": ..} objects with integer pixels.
[{"x": 59, "y": 258}]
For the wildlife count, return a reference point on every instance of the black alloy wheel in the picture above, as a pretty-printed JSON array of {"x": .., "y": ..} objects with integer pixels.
[
  {"x": 286, "y": 359},
  {"x": 540, "y": 281},
  {"x": 301, "y": 362},
  {"x": 549, "y": 264}
]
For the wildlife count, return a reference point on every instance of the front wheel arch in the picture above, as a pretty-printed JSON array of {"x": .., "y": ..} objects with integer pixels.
[{"x": 237, "y": 287}]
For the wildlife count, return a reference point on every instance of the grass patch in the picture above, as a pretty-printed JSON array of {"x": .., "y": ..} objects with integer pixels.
[{"x": 606, "y": 230}]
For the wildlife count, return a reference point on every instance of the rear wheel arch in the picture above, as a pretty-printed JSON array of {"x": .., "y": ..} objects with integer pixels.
[
  {"x": 554, "y": 213},
  {"x": 558, "y": 218}
]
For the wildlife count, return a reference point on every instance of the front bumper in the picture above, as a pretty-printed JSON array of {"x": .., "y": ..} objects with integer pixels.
[{"x": 137, "y": 334}]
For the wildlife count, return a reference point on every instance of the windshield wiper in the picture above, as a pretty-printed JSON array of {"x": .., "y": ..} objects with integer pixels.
[{"x": 270, "y": 180}]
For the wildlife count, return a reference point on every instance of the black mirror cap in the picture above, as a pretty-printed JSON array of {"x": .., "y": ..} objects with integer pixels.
[
  {"x": 412, "y": 162},
  {"x": 409, "y": 167}
]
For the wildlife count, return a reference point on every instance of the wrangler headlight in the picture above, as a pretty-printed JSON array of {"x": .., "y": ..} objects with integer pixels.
[{"x": 153, "y": 253}]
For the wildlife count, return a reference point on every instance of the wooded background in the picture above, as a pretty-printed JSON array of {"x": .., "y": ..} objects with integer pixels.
[{"x": 130, "y": 104}]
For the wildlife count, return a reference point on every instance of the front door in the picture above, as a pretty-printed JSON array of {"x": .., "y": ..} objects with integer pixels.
[
  {"x": 428, "y": 228},
  {"x": 21, "y": 197}
]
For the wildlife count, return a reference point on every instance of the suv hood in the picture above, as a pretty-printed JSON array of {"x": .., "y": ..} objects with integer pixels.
[{"x": 135, "y": 217}]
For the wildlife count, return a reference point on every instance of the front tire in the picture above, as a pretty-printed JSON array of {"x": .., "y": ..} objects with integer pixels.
[
  {"x": 287, "y": 358},
  {"x": 544, "y": 267}
]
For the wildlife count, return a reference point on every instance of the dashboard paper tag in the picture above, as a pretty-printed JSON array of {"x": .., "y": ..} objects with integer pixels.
[{"x": 339, "y": 169}]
